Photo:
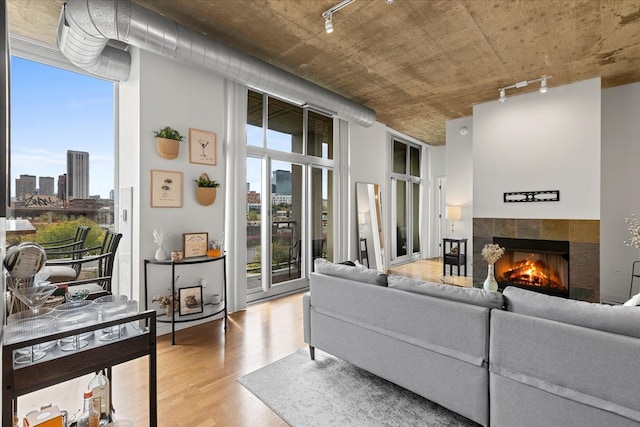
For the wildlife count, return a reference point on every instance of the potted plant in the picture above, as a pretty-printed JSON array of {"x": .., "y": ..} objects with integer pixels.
[
  {"x": 206, "y": 190},
  {"x": 167, "y": 142},
  {"x": 167, "y": 302}
]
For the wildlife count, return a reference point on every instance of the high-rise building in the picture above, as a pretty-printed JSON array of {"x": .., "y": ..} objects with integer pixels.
[
  {"x": 77, "y": 174},
  {"x": 281, "y": 182},
  {"x": 45, "y": 187},
  {"x": 62, "y": 187},
  {"x": 26, "y": 184}
]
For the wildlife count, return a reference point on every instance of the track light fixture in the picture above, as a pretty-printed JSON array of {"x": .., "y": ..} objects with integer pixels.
[
  {"x": 543, "y": 86},
  {"x": 328, "y": 14},
  {"x": 328, "y": 23}
]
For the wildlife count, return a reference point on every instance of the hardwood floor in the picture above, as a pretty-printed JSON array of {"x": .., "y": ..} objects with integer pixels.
[
  {"x": 430, "y": 270},
  {"x": 197, "y": 384},
  {"x": 197, "y": 377}
]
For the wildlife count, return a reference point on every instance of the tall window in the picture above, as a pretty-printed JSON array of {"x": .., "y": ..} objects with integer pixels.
[
  {"x": 289, "y": 194},
  {"x": 405, "y": 193},
  {"x": 62, "y": 152}
]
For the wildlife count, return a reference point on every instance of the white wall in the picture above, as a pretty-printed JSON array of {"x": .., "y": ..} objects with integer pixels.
[
  {"x": 460, "y": 167},
  {"x": 368, "y": 152},
  {"x": 164, "y": 93},
  {"x": 539, "y": 142},
  {"x": 436, "y": 169},
  {"x": 620, "y": 177}
]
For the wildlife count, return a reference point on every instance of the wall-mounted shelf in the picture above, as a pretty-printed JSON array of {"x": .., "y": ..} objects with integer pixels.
[{"x": 209, "y": 310}]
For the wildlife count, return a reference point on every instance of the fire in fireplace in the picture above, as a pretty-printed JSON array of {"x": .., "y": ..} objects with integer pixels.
[{"x": 538, "y": 265}]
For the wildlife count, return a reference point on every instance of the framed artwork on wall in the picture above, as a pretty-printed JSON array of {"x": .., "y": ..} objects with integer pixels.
[
  {"x": 195, "y": 244},
  {"x": 190, "y": 300},
  {"x": 166, "y": 189},
  {"x": 202, "y": 147}
]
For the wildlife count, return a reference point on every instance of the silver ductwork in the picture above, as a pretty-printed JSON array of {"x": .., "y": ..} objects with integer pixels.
[{"x": 88, "y": 28}]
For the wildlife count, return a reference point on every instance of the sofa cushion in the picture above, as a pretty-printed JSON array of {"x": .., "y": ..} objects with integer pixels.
[
  {"x": 455, "y": 293},
  {"x": 615, "y": 319},
  {"x": 372, "y": 277}
]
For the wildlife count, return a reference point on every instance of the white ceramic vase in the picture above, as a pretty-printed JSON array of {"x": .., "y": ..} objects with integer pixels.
[
  {"x": 490, "y": 283},
  {"x": 161, "y": 254}
]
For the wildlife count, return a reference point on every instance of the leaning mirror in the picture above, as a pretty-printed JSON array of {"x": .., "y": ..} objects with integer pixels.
[{"x": 369, "y": 221}]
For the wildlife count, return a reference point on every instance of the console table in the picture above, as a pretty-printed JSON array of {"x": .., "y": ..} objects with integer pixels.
[
  {"x": 454, "y": 257},
  {"x": 209, "y": 310}
]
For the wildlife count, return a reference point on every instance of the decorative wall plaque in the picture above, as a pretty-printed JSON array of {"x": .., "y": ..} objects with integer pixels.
[{"x": 532, "y": 196}]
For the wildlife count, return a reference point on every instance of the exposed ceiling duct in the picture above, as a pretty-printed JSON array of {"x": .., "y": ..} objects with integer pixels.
[{"x": 88, "y": 28}]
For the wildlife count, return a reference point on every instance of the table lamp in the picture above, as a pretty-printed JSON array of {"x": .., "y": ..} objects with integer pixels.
[{"x": 453, "y": 213}]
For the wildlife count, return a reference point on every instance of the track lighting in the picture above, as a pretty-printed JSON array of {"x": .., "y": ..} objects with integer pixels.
[
  {"x": 328, "y": 23},
  {"x": 503, "y": 96},
  {"x": 543, "y": 86},
  {"x": 328, "y": 14}
]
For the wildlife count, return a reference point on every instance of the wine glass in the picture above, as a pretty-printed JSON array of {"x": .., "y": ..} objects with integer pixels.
[
  {"x": 26, "y": 325},
  {"x": 72, "y": 316},
  {"x": 34, "y": 296},
  {"x": 31, "y": 324},
  {"x": 73, "y": 305},
  {"x": 112, "y": 307}
]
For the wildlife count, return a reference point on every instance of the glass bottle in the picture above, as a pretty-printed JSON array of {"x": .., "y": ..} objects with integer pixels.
[
  {"x": 90, "y": 416},
  {"x": 99, "y": 385}
]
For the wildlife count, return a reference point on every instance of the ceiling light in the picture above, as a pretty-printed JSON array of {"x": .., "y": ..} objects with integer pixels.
[
  {"x": 328, "y": 23},
  {"x": 543, "y": 85},
  {"x": 524, "y": 83},
  {"x": 503, "y": 96},
  {"x": 388, "y": 1},
  {"x": 328, "y": 14}
]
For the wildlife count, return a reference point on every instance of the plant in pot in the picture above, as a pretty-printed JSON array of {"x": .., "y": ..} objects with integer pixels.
[
  {"x": 167, "y": 302},
  {"x": 206, "y": 190},
  {"x": 168, "y": 142}
]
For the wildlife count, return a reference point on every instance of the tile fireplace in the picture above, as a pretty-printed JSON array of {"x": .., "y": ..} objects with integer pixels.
[
  {"x": 537, "y": 265},
  {"x": 581, "y": 273}
]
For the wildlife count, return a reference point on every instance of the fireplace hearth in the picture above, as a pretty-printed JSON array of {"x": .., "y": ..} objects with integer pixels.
[{"x": 537, "y": 265}]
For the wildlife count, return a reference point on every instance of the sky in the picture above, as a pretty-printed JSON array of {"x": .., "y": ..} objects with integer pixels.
[{"x": 54, "y": 110}]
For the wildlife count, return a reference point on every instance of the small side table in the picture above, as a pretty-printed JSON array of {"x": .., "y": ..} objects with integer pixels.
[{"x": 455, "y": 254}]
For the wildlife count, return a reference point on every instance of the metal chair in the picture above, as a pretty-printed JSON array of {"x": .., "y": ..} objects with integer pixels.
[
  {"x": 65, "y": 247},
  {"x": 67, "y": 271}
]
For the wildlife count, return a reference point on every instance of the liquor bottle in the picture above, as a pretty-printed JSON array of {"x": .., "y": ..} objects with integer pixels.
[
  {"x": 90, "y": 416},
  {"x": 99, "y": 385}
]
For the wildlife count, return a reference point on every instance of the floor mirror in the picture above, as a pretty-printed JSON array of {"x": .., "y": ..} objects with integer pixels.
[{"x": 369, "y": 220}]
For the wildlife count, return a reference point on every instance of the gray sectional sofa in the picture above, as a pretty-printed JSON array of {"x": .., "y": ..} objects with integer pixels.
[{"x": 514, "y": 359}]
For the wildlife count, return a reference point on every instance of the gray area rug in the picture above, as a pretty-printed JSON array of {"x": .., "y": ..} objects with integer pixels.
[{"x": 332, "y": 392}]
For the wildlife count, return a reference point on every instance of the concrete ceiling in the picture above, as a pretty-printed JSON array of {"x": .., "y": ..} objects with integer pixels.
[{"x": 417, "y": 63}]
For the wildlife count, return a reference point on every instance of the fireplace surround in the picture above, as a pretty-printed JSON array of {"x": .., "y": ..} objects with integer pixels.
[
  {"x": 537, "y": 265},
  {"x": 583, "y": 237}
]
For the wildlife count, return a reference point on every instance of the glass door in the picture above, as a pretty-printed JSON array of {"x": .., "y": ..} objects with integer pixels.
[
  {"x": 286, "y": 221},
  {"x": 406, "y": 192},
  {"x": 289, "y": 194}
]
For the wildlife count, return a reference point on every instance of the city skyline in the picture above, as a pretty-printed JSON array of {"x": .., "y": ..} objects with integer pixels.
[{"x": 54, "y": 110}]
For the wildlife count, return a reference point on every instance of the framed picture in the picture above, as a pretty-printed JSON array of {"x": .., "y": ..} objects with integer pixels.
[
  {"x": 195, "y": 244},
  {"x": 190, "y": 300},
  {"x": 202, "y": 147},
  {"x": 166, "y": 189}
]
